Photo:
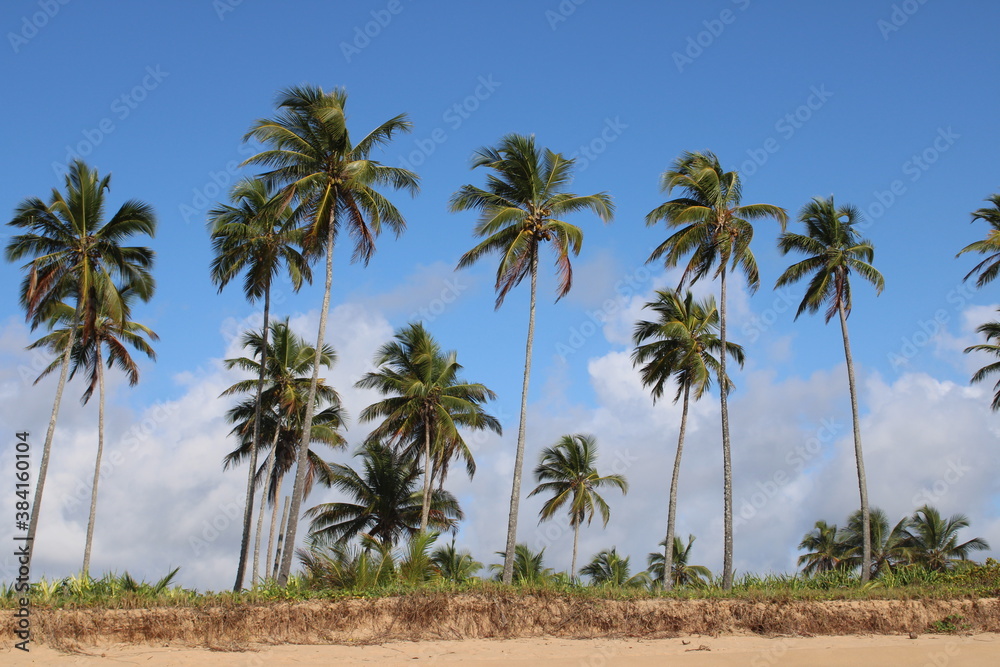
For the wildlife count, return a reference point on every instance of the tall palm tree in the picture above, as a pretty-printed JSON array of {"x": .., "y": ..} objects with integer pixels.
[
  {"x": 426, "y": 400},
  {"x": 568, "y": 471},
  {"x": 78, "y": 259},
  {"x": 519, "y": 210},
  {"x": 89, "y": 354},
  {"x": 255, "y": 234},
  {"x": 310, "y": 154},
  {"x": 683, "y": 573},
  {"x": 386, "y": 507},
  {"x": 834, "y": 250},
  {"x": 992, "y": 331},
  {"x": 825, "y": 552},
  {"x": 609, "y": 568},
  {"x": 989, "y": 246},
  {"x": 889, "y": 546},
  {"x": 679, "y": 345},
  {"x": 715, "y": 230},
  {"x": 933, "y": 540},
  {"x": 285, "y": 362}
]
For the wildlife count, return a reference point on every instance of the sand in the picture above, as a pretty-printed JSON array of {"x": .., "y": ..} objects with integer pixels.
[{"x": 979, "y": 650}]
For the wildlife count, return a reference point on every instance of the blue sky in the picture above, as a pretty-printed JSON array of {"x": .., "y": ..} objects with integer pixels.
[{"x": 885, "y": 105}]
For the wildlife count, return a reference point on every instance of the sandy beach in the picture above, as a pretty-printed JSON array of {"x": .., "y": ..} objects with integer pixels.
[{"x": 980, "y": 650}]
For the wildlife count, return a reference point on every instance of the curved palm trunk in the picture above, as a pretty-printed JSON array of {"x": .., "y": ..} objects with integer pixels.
[
  {"x": 274, "y": 529},
  {"x": 866, "y": 536},
  {"x": 576, "y": 539},
  {"x": 425, "y": 511},
  {"x": 254, "y": 446},
  {"x": 303, "y": 454},
  {"x": 43, "y": 466},
  {"x": 515, "y": 494},
  {"x": 263, "y": 507},
  {"x": 281, "y": 536},
  {"x": 727, "y": 465},
  {"x": 668, "y": 551},
  {"x": 97, "y": 466}
]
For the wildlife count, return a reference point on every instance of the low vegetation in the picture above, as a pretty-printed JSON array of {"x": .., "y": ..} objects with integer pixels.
[{"x": 360, "y": 574}]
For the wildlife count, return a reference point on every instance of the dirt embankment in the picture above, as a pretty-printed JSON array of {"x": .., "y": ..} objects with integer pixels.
[{"x": 473, "y": 616}]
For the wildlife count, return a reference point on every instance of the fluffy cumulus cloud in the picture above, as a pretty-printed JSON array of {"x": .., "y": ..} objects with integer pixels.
[{"x": 166, "y": 502}]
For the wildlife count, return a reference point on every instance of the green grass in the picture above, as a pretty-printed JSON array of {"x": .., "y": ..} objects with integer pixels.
[{"x": 113, "y": 591}]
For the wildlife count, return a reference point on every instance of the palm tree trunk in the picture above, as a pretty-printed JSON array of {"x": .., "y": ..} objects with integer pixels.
[
  {"x": 866, "y": 537},
  {"x": 43, "y": 467},
  {"x": 668, "y": 551},
  {"x": 515, "y": 494},
  {"x": 97, "y": 465},
  {"x": 302, "y": 461},
  {"x": 271, "y": 556},
  {"x": 254, "y": 446},
  {"x": 281, "y": 536},
  {"x": 576, "y": 539},
  {"x": 727, "y": 466},
  {"x": 425, "y": 511},
  {"x": 263, "y": 505}
]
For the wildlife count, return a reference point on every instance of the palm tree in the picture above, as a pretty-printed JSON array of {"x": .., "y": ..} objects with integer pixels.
[
  {"x": 890, "y": 547},
  {"x": 716, "y": 231},
  {"x": 78, "y": 259},
  {"x": 453, "y": 565},
  {"x": 256, "y": 235},
  {"x": 529, "y": 566},
  {"x": 427, "y": 402},
  {"x": 607, "y": 568},
  {"x": 88, "y": 354},
  {"x": 568, "y": 471},
  {"x": 311, "y": 155},
  {"x": 990, "y": 246},
  {"x": 992, "y": 331},
  {"x": 834, "y": 250},
  {"x": 286, "y": 367},
  {"x": 519, "y": 210},
  {"x": 682, "y": 573},
  {"x": 825, "y": 552},
  {"x": 386, "y": 506},
  {"x": 680, "y": 345},
  {"x": 933, "y": 540}
]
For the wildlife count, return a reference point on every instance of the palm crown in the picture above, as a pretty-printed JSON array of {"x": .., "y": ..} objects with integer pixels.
[
  {"x": 87, "y": 354},
  {"x": 79, "y": 256},
  {"x": 680, "y": 344},
  {"x": 714, "y": 228},
  {"x": 834, "y": 250},
  {"x": 520, "y": 208},
  {"x": 256, "y": 234},
  {"x": 568, "y": 471},
  {"x": 425, "y": 395},
  {"x": 989, "y": 246},
  {"x": 385, "y": 505},
  {"x": 310, "y": 153},
  {"x": 992, "y": 332}
]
